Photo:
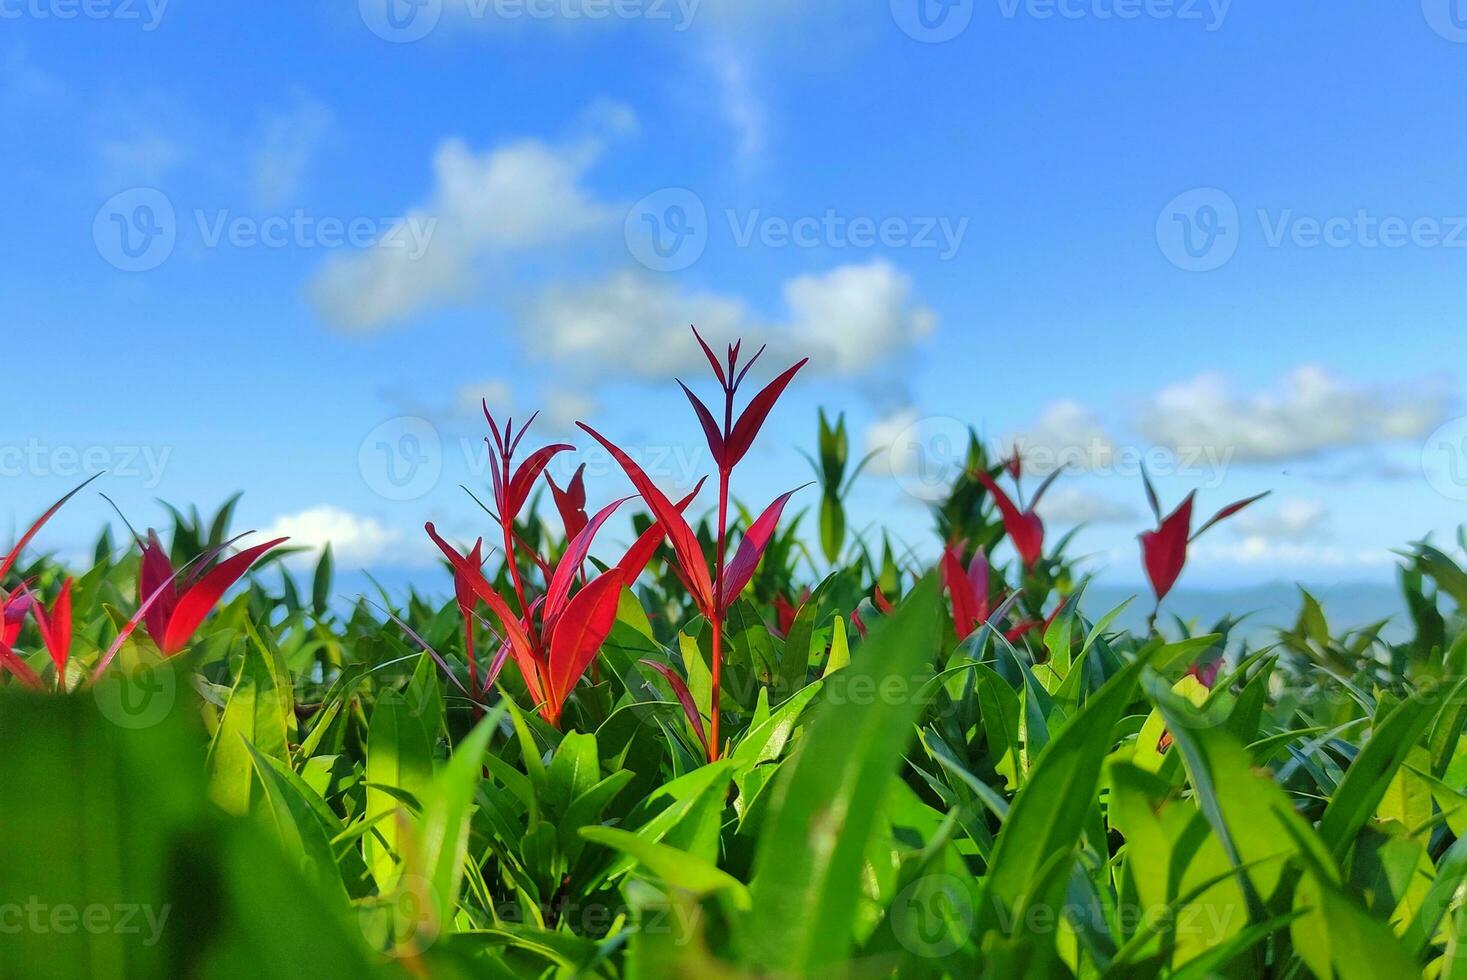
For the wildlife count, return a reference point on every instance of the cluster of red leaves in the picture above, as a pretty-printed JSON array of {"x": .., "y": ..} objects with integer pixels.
[
  {"x": 553, "y": 637},
  {"x": 171, "y": 611}
]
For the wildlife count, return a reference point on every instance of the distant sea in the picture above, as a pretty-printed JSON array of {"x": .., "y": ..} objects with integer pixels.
[{"x": 1268, "y": 607}]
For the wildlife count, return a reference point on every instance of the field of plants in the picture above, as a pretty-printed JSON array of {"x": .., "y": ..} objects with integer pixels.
[{"x": 699, "y": 757}]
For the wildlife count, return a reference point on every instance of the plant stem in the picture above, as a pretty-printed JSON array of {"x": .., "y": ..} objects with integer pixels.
[{"x": 717, "y": 618}]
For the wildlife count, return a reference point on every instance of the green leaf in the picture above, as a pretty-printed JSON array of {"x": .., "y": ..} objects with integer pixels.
[
  {"x": 573, "y": 771},
  {"x": 840, "y": 647},
  {"x": 812, "y": 846},
  {"x": 321, "y": 585},
  {"x": 399, "y": 757},
  {"x": 1250, "y": 814},
  {"x": 443, "y": 840},
  {"x": 257, "y": 714},
  {"x": 1370, "y": 775},
  {"x": 678, "y": 868},
  {"x": 299, "y": 827},
  {"x": 1044, "y": 822}
]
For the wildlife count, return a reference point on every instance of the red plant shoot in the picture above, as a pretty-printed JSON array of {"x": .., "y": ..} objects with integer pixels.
[
  {"x": 553, "y": 638},
  {"x": 1020, "y": 523},
  {"x": 728, "y": 442},
  {"x": 1164, "y": 550},
  {"x": 173, "y": 611}
]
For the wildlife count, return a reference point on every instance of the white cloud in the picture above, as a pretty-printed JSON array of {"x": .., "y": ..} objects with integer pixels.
[
  {"x": 1069, "y": 506},
  {"x": 856, "y": 317},
  {"x": 882, "y": 436},
  {"x": 1314, "y": 413},
  {"x": 848, "y": 321},
  {"x": 560, "y": 408},
  {"x": 1258, "y": 550},
  {"x": 521, "y": 196},
  {"x": 353, "y": 539},
  {"x": 495, "y": 391},
  {"x": 24, "y": 85},
  {"x": 1290, "y": 521},
  {"x": 743, "y": 110},
  {"x": 143, "y": 155},
  {"x": 1066, "y": 434},
  {"x": 564, "y": 408},
  {"x": 290, "y": 142}
]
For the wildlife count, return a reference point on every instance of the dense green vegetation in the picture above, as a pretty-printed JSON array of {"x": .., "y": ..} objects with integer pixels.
[{"x": 957, "y": 771}]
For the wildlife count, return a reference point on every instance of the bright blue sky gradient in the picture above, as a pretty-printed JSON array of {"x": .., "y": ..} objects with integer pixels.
[{"x": 1054, "y": 143}]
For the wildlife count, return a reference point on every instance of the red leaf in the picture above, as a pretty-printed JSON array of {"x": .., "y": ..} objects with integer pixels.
[
  {"x": 635, "y": 561},
  {"x": 882, "y": 602},
  {"x": 205, "y": 595},
  {"x": 738, "y": 571},
  {"x": 8, "y": 562},
  {"x": 710, "y": 427},
  {"x": 579, "y": 633},
  {"x": 18, "y": 667},
  {"x": 684, "y": 698},
  {"x": 1229, "y": 511},
  {"x": 13, "y": 620},
  {"x": 784, "y": 614},
  {"x": 571, "y": 502},
  {"x": 960, "y": 591},
  {"x": 527, "y": 474},
  {"x": 752, "y": 419},
  {"x": 858, "y": 623},
  {"x": 570, "y": 562},
  {"x": 56, "y": 628},
  {"x": 1024, "y": 528},
  {"x": 1044, "y": 488},
  {"x": 712, "y": 358},
  {"x": 519, "y": 642},
  {"x": 154, "y": 570},
  {"x": 684, "y": 541},
  {"x": 131, "y": 626},
  {"x": 1151, "y": 498},
  {"x": 1164, "y": 551}
]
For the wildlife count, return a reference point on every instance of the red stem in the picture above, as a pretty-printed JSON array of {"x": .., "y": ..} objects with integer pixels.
[
  {"x": 718, "y": 606},
  {"x": 551, "y": 711}
]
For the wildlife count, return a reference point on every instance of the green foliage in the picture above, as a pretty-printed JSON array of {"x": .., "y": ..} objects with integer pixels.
[{"x": 313, "y": 786}]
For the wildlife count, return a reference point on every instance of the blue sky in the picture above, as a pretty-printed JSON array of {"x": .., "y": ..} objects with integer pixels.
[{"x": 1230, "y": 236}]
